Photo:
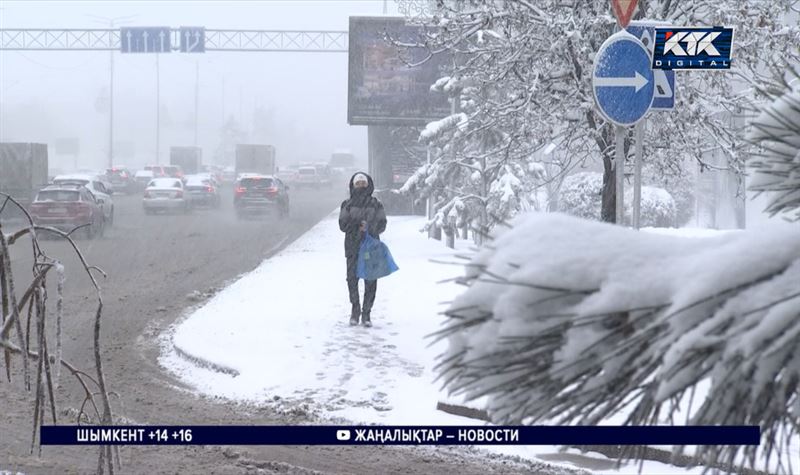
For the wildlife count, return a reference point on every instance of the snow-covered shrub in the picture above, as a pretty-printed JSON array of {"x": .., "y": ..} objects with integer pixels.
[
  {"x": 572, "y": 321},
  {"x": 657, "y": 208},
  {"x": 580, "y": 196}
]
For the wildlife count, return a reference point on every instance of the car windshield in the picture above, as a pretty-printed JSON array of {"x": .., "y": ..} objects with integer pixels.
[
  {"x": 256, "y": 182},
  {"x": 307, "y": 171},
  {"x": 164, "y": 183},
  {"x": 58, "y": 195}
]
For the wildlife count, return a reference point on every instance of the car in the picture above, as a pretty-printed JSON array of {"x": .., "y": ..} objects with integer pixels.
[
  {"x": 158, "y": 170},
  {"x": 287, "y": 175},
  {"x": 143, "y": 177},
  {"x": 174, "y": 171},
  {"x": 207, "y": 176},
  {"x": 214, "y": 171},
  {"x": 307, "y": 176},
  {"x": 121, "y": 179},
  {"x": 165, "y": 194},
  {"x": 202, "y": 189},
  {"x": 228, "y": 175},
  {"x": 97, "y": 185},
  {"x": 255, "y": 193},
  {"x": 65, "y": 207}
]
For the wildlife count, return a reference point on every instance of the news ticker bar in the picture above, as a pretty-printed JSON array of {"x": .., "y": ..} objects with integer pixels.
[{"x": 400, "y": 435}]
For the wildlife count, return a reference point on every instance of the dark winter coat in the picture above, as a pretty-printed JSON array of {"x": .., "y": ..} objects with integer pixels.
[{"x": 361, "y": 206}]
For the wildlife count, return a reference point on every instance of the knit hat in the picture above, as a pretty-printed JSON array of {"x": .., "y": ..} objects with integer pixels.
[{"x": 360, "y": 177}]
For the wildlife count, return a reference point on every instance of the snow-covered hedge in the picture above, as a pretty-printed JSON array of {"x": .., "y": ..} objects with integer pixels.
[
  {"x": 580, "y": 196},
  {"x": 574, "y": 321}
]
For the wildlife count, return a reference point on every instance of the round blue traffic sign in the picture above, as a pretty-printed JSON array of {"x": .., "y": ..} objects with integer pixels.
[{"x": 622, "y": 79}]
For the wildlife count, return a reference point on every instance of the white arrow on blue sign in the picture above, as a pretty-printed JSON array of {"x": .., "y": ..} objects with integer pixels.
[
  {"x": 622, "y": 80},
  {"x": 137, "y": 39},
  {"x": 664, "y": 98},
  {"x": 193, "y": 39}
]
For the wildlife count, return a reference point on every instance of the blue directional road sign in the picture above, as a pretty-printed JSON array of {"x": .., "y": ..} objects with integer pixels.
[
  {"x": 622, "y": 79},
  {"x": 664, "y": 97},
  {"x": 147, "y": 39},
  {"x": 193, "y": 39}
]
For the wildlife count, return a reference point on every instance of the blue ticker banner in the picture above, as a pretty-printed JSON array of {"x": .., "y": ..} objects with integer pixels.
[{"x": 400, "y": 435}]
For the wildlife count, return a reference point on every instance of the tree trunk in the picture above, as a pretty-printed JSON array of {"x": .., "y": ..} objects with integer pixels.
[{"x": 608, "y": 209}]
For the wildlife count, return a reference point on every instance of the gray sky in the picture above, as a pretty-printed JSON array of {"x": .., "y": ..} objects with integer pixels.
[{"x": 47, "y": 95}]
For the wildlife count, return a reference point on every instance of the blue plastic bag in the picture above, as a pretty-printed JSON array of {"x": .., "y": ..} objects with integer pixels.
[{"x": 374, "y": 259}]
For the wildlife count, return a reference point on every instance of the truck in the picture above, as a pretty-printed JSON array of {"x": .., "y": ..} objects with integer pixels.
[
  {"x": 23, "y": 171},
  {"x": 254, "y": 158},
  {"x": 188, "y": 158}
]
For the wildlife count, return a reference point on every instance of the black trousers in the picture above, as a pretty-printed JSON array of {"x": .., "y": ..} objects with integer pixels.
[{"x": 370, "y": 286}]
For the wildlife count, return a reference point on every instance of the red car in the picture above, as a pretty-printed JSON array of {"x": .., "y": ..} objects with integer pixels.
[{"x": 66, "y": 207}]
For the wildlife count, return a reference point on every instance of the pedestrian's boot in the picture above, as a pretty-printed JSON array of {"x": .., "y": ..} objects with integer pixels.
[
  {"x": 365, "y": 318},
  {"x": 354, "y": 314}
]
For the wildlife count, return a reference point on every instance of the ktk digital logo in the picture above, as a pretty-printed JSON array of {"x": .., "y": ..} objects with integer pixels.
[{"x": 693, "y": 48}]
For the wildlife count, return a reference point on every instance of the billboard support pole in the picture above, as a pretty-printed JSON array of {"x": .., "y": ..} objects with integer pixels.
[
  {"x": 158, "y": 112},
  {"x": 110, "y": 110}
]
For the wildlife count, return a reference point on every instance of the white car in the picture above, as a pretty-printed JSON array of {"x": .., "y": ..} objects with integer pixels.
[
  {"x": 164, "y": 194},
  {"x": 307, "y": 176},
  {"x": 96, "y": 185}
]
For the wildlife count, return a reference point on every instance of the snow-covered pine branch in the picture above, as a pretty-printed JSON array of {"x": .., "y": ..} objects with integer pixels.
[
  {"x": 777, "y": 165},
  {"x": 573, "y": 321}
]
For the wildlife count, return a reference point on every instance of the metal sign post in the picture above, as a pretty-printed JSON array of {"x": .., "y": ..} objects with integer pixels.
[
  {"x": 619, "y": 172},
  {"x": 637, "y": 175}
]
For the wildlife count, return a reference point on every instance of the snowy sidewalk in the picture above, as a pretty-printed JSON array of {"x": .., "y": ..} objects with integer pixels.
[{"x": 283, "y": 328}]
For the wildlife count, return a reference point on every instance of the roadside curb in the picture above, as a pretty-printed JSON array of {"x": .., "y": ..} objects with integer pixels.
[
  {"x": 207, "y": 364},
  {"x": 204, "y": 363}
]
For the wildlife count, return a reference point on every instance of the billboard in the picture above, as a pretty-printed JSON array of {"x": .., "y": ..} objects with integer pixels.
[{"x": 382, "y": 88}]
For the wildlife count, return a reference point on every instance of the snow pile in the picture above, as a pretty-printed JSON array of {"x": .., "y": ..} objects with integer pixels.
[
  {"x": 575, "y": 321},
  {"x": 580, "y": 195},
  {"x": 777, "y": 167}
]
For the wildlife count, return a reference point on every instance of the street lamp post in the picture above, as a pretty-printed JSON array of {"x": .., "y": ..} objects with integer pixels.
[{"x": 111, "y": 23}]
